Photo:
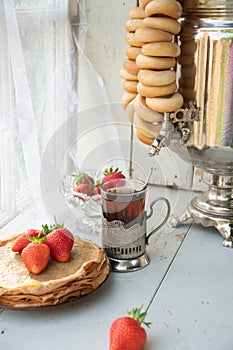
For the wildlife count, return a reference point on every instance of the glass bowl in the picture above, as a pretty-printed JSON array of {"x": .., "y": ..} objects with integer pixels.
[{"x": 86, "y": 208}]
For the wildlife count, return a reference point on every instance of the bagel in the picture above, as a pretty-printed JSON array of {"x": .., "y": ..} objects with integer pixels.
[
  {"x": 137, "y": 12},
  {"x": 146, "y": 113},
  {"x": 133, "y": 24},
  {"x": 156, "y": 78},
  {"x": 132, "y": 52},
  {"x": 150, "y": 35},
  {"x": 143, "y": 138},
  {"x": 165, "y": 104},
  {"x": 162, "y": 23},
  {"x": 170, "y": 8},
  {"x": 143, "y": 131},
  {"x": 130, "y": 66},
  {"x": 132, "y": 41},
  {"x": 143, "y": 3},
  {"x": 161, "y": 49},
  {"x": 130, "y": 86},
  {"x": 156, "y": 91},
  {"x": 149, "y": 62},
  {"x": 146, "y": 128},
  {"x": 127, "y": 98},
  {"x": 129, "y": 110},
  {"x": 124, "y": 74}
]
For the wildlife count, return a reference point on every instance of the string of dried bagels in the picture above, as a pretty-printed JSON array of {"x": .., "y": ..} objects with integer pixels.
[{"x": 148, "y": 72}]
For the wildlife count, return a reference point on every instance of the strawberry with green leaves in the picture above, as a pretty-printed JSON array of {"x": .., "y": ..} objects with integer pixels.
[
  {"x": 113, "y": 178},
  {"x": 84, "y": 183},
  {"x": 24, "y": 239},
  {"x": 60, "y": 241},
  {"x": 126, "y": 333},
  {"x": 36, "y": 255},
  {"x": 111, "y": 174},
  {"x": 82, "y": 178}
]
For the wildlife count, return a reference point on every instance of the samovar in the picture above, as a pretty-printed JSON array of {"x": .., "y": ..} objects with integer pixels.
[{"x": 205, "y": 121}]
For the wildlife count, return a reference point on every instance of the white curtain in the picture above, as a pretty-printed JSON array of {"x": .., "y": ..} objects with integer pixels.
[{"x": 42, "y": 90}]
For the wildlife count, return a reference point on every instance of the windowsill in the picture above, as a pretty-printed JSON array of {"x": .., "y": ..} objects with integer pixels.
[
  {"x": 6, "y": 217},
  {"x": 29, "y": 218},
  {"x": 22, "y": 219}
]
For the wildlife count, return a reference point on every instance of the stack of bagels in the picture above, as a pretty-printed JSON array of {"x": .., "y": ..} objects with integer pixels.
[{"x": 148, "y": 72}]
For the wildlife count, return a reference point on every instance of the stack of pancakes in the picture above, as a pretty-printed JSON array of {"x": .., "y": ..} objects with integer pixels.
[{"x": 59, "y": 283}]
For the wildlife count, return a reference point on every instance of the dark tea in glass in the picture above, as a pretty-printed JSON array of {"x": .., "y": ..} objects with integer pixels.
[{"x": 124, "y": 200}]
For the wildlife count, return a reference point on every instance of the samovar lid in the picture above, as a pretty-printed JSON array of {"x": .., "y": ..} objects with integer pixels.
[{"x": 207, "y": 8}]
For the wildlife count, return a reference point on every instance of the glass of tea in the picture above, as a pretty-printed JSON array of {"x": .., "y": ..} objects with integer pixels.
[
  {"x": 124, "y": 222},
  {"x": 124, "y": 200}
]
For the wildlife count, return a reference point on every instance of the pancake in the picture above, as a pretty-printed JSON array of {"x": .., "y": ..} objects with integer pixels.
[{"x": 86, "y": 270}]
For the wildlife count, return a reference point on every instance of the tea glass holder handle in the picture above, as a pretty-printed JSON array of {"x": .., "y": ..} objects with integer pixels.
[{"x": 159, "y": 199}]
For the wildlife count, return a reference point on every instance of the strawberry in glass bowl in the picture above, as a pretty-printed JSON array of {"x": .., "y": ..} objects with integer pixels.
[{"x": 81, "y": 190}]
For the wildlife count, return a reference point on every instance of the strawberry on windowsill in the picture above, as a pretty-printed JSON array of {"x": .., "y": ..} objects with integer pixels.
[{"x": 126, "y": 333}]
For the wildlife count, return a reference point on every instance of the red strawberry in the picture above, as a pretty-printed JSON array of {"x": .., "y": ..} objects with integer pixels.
[
  {"x": 83, "y": 178},
  {"x": 111, "y": 174},
  {"x": 36, "y": 255},
  {"x": 60, "y": 242},
  {"x": 84, "y": 188},
  {"x": 84, "y": 183},
  {"x": 113, "y": 178},
  {"x": 126, "y": 332},
  {"x": 96, "y": 189},
  {"x": 23, "y": 240}
]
